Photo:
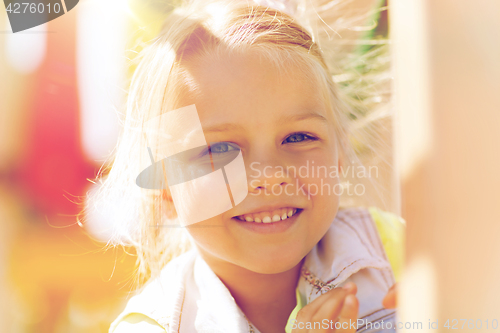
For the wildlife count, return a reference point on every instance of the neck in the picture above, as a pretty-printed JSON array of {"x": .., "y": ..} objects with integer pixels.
[{"x": 266, "y": 299}]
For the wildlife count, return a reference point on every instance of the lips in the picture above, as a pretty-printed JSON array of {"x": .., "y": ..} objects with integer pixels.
[{"x": 270, "y": 216}]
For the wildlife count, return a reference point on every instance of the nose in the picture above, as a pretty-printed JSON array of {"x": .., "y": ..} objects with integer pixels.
[{"x": 267, "y": 173}]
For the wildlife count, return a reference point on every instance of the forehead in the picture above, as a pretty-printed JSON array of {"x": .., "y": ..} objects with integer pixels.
[{"x": 245, "y": 86}]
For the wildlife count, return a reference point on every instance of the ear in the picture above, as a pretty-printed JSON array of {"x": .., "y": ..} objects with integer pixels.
[{"x": 168, "y": 203}]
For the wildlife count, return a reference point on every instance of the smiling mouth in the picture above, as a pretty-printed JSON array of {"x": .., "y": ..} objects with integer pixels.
[{"x": 270, "y": 217}]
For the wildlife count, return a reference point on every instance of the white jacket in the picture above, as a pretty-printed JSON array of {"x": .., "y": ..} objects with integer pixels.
[{"x": 189, "y": 297}]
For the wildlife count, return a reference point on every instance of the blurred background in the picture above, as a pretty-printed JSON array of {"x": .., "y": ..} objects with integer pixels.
[{"x": 62, "y": 90}]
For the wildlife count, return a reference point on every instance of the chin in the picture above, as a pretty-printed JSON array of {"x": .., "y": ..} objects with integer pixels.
[{"x": 275, "y": 264}]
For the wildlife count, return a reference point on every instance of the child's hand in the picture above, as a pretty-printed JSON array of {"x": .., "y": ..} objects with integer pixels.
[
  {"x": 339, "y": 304},
  {"x": 389, "y": 300}
]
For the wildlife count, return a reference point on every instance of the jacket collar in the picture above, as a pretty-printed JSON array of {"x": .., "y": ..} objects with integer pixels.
[{"x": 217, "y": 309}]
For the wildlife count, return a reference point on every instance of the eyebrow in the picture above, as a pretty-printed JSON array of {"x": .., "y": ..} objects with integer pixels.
[
  {"x": 303, "y": 116},
  {"x": 288, "y": 118},
  {"x": 223, "y": 128}
]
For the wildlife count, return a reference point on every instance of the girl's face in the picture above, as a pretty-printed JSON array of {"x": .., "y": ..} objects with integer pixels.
[{"x": 280, "y": 123}]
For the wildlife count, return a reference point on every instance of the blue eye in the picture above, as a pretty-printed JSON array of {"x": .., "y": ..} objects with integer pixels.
[
  {"x": 299, "y": 137},
  {"x": 221, "y": 148}
]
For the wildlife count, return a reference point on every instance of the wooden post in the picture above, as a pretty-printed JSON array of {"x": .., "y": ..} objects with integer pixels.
[{"x": 447, "y": 74}]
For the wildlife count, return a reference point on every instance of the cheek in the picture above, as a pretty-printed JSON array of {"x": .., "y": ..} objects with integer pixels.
[
  {"x": 210, "y": 235},
  {"x": 321, "y": 185},
  {"x": 319, "y": 171}
]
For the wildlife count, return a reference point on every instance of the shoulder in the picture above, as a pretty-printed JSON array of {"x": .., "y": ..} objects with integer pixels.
[
  {"x": 384, "y": 222},
  {"x": 154, "y": 305},
  {"x": 359, "y": 225},
  {"x": 386, "y": 225},
  {"x": 383, "y": 229}
]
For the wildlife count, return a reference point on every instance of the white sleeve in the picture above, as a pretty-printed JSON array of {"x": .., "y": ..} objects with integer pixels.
[{"x": 136, "y": 322}]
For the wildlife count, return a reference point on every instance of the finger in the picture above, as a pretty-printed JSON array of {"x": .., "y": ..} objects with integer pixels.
[
  {"x": 326, "y": 307},
  {"x": 390, "y": 299},
  {"x": 347, "y": 321},
  {"x": 350, "y": 287},
  {"x": 335, "y": 294},
  {"x": 330, "y": 311}
]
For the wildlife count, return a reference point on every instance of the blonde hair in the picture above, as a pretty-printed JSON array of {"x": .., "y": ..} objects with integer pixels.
[{"x": 196, "y": 32}]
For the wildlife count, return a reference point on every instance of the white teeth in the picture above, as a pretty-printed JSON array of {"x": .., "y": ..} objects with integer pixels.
[{"x": 268, "y": 217}]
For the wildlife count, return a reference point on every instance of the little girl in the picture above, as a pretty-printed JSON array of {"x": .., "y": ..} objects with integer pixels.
[{"x": 234, "y": 141}]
